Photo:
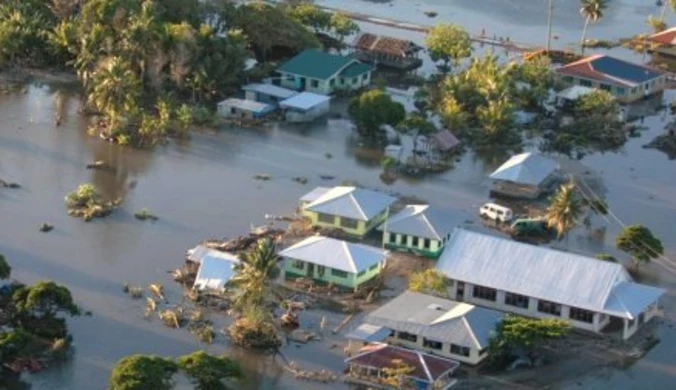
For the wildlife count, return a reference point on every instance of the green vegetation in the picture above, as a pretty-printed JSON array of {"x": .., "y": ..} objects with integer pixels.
[
  {"x": 5, "y": 268},
  {"x": 86, "y": 202},
  {"x": 372, "y": 109},
  {"x": 448, "y": 43},
  {"x": 565, "y": 209},
  {"x": 527, "y": 335},
  {"x": 606, "y": 257},
  {"x": 591, "y": 11},
  {"x": 207, "y": 372},
  {"x": 429, "y": 281},
  {"x": 139, "y": 372},
  {"x": 640, "y": 243}
]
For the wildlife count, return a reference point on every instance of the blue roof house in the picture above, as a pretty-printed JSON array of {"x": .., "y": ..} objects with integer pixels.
[{"x": 316, "y": 71}]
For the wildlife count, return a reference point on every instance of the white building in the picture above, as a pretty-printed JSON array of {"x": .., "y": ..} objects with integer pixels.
[
  {"x": 544, "y": 283},
  {"x": 247, "y": 109},
  {"x": 525, "y": 175},
  {"x": 431, "y": 324},
  {"x": 216, "y": 268},
  {"x": 305, "y": 107}
]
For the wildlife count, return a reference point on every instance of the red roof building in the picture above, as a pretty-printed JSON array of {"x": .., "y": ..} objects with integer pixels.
[
  {"x": 664, "y": 42},
  {"x": 389, "y": 51}
]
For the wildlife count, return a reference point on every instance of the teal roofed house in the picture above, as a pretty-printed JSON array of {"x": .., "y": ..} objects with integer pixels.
[{"x": 320, "y": 72}]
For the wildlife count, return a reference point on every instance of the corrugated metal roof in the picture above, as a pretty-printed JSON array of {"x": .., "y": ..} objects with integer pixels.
[
  {"x": 304, "y": 101},
  {"x": 314, "y": 194},
  {"x": 529, "y": 270},
  {"x": 426, "y": 367},
  {"x": 445, "y": 140},
  {"x": 421, "y": 221},
  {"x": 336, "y": 254},
  {"x": 216, "y": 268},
  {"x": 351, "y": 202},
  {"x": 666, "y": 37},
  {"x": 368, "y": 332},
  {"x": 315, "y": 64},
  {"x": 271, "y": 90},
  {"x": 575, "y": 92},
  {"x": 609, "y": 70},
  {"x": 525, "y": 168},
  {"x": 629, "y": 299},
  {"x": 247, "y": 105},
  {"x": 437, "y": 319}
]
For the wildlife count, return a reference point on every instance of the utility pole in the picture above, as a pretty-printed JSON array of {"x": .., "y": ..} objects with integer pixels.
[{"x": 549, "y": 25}]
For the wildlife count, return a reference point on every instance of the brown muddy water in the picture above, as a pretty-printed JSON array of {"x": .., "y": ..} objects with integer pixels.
[{"x": 204, "y": 188}]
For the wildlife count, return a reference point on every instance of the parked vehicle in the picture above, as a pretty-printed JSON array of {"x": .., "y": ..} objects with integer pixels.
[
  {"x": 496, "y": 212},
  {"x": 529, "y": 227}
]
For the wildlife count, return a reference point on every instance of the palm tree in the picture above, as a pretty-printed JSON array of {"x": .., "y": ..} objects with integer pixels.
[
  {"x": 565, "y": 209},
  {"x": 591, "y": 10},
  {"x": 253, "y": 273},
  {"x": 667, "y": 3},
  {"x": 115, "y": 90}
]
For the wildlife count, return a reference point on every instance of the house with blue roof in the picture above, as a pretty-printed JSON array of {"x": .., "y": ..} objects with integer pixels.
[
  {"x": 627, "y": 81},
  {"x": 317, "y": 71}
]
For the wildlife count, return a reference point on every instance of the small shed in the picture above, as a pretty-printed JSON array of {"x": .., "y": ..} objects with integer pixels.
[
  {"x": 247, "y": 109},
  {"x": 444, "y": 141},
  {"x": 525, "y": 175},
  {"x": 568, "y": 97},
  {"x": 267, "y": 93},
  {"x": 216, "y": 268},
  {"x": 305, "y": 107}
]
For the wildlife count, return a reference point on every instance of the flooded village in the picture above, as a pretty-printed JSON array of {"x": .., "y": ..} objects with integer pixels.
[{"x": 345, "y": 203}]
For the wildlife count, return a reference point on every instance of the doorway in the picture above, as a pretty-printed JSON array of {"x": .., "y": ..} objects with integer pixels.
[{"x": 310, "y": 270}]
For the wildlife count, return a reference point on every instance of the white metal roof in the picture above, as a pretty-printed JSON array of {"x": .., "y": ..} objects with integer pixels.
[
  {"x": 314, "y": 194},
  {"x": 629, "y": 299},
  {"x": 351, "y": 202},
  {"x": 575, "y": 92},
  {"x": 421, "y": 221},
  {"x": 525, "y": 168},
  {"x": 216, "y": 268},
  {"x": 336, "y": 254},
  {"x": 271, "y": 90},
  {"x": 304, "y": 101},
  {"x": 543, "y": 273},
  {"x": 370, "y": 333},
  {"x": 247, "y": 105},
  {"x": 437, "y": 319}
]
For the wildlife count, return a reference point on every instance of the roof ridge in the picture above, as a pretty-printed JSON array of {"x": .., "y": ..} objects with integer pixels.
[
  {"x": 356, "y": 203},
  {"x": 346, "y": 248},
  {"x": 470, "y": 330},
  {"x": 423, "y": 363}
]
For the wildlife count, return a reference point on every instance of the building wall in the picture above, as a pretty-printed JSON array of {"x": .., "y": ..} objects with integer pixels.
[
  {"x": 351, "y": 281},
  {"x": 599, "y": 320},
  {"x": 629, "y": 95},
  {"x": 473, "y": 358},
  {"x": 405, "y": 243},
  {"x": 325, "y": 87},
  {"x": 362, "y": 228}
]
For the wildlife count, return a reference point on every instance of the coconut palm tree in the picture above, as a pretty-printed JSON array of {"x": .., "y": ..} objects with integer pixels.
[
  {"x": 591, "y": 10},
  {"x": 667, "y": 4},
  {"x": 253, "y": 273},
  {"x": 565, "y": 209},
  {"x": 115, "y": 90}
]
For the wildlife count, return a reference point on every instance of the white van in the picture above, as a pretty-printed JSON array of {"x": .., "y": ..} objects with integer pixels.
[{"x": 496, "y": 212}]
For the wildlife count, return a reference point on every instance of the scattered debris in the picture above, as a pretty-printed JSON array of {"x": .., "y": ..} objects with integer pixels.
[
  {"x": 301, "y": 180},
  {"x": 158, "y": 291},
  {"x": 144, "y": 214},
  {"x": 327, "y": 177},
  {"x": 302, "y": 336},
  {"x": 100, "y": 165},
  {"x": 323, "y": 376},
  {"x": 342, "y": 324},
  {"x": 7, "y": 184},
  {"x": 135, "y": 292},
  {"x": 262, "y": 176},
  {"x": 172, "y": 318},
  {"x": 328, "y": 155},
  {"x": 45, "y": 227},
  {"x": 430, "y": 14},
  {"x": 665, "y": 143},
  {"x": 151, "y": 306}
]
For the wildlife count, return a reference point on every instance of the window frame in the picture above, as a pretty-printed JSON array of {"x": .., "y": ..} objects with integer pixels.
[
  {"x": 581, "y": 315},
  {"x": 459, "y": 350},
  {"x": 339, "y": 273},
  {"x": 551, "y": 308},
  {"x": 322, "y": 216},
  {"x": 432, "y": 344},
  {"x": 484, "y": 293},
  {"x": 516, "y": 300},
  {"x": 410, "y": 337},
  {"x": 351, "y": 223}
]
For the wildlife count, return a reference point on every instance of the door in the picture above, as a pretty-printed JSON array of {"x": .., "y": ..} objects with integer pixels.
[
  {"x": 302, "y": 83},
  {"x": 310, "y": 270},
  {"x": 460, "y": 291}
]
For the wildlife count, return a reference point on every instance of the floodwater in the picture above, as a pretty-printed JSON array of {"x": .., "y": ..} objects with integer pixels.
[{"x": 204, "y": 188}]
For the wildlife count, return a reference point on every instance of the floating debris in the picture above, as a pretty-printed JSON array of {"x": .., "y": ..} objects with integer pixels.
[
  {"x": 100, "y": 165},
  {"x": 144, "y": 214},
  {"x": 323, "y": 376},
  {"x": 301, "y": 180},
  {"x": 172, "y": 318},
  {"x": 158, "y": 291},
  {"x": 431, "y": 14},
  {"x": 135, "y": 292},
  {"x": 7, "y": 184},
  {"x": 45, "y": 227},
  {"x": 328, "y": 155},
  {"x": 262, "y": 176},
  {"x": 151, "y": 306},
  {"x": 327, "y": 177}
]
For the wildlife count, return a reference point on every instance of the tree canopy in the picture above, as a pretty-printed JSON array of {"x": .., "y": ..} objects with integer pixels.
[
  {"x": 527, "y": 334},
  {"x": 640, "y": 243},
  {"x": 207, "y": 371},
  {"x": 5, "y": 268},
  {"x": 140, "y": 372},
  {"x": 564, "y": 210},
  {"x": 448, "y": 43},
  {"x": 45, "y": 299},
  {"x": 429, "y": 281},
  {"x": 375, "y": 108}
]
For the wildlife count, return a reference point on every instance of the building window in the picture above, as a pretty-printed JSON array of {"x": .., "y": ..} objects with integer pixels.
[
  {"x": 298, "y": 264},
  {"x": 567, "y": 79},
  {"x": 549, "y": 308},
  {"x": 342, "y": 80},
  {"x": 620, "y": 90},
  {"x": 362, "y": 272},
  {"x": 338, "y": 273},
  {"x": 585, "y": 83},
  {"x": 332, "y": 82},
  {"x": 348, "y": 223},
  {"x": 605, "y": 87},
  {"x": 516, "y": 300},
  {"x": 414, "y": 241},
  {"x": 326, "y": 218},
  {"x": 321, "y": 270},
  {"x": 407, "y": 337},
  {"x": 393, "y": 237},
  {"x": 486, "y": 293},
  {"x": 364, "y": 76},
  {"x": 355, "y": 80},
  {"x": 634, "y": 90},
  {"x": 581, "y": 315},
  {"x": 426, "y": 243},
  {"x": 314, "y": 83},
  {"x": 427, "y": 343},
  {"x": 459, "y": 350}
]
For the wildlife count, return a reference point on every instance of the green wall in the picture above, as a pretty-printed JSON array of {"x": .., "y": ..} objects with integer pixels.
[
  {"x": 351, "y": 281},
  {"x": 362, "y": 228}
]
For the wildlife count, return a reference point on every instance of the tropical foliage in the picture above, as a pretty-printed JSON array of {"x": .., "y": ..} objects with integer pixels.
[
  {"x": 429, "y": 281},
  {"x": 375, "y": 108},
  {"x": 5, "y": 268},
  {"x": 640, "y": 243},
  {"x": 565, "y": 209},
  {"x": 528, "y": 335},
  {"x": 448, "y": 43},
  {"x": 591, "y": 11}
]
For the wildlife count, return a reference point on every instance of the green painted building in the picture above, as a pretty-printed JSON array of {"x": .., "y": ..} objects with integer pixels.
[
  {"x": 317, "y": 71},
  {"x": 328, "y": 260},
  {"x": 356, "y": 211},
  {"x": 420, "y": 229}
]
